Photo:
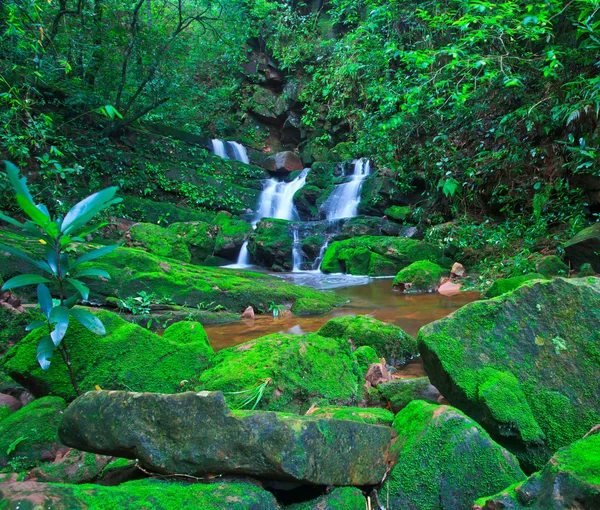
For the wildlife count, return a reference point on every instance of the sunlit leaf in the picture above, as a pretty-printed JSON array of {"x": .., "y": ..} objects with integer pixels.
[
  {"x": 44, "y": 300},
  {"x": 83, "y": 211},
  {"x": 80, "y": 287},
  {"x": 45, "y": 350},
  {"x": 88, "y": 320},
  {"x": 60, "y": 316}
]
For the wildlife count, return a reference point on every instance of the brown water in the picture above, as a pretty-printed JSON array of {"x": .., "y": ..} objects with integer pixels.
[{"x": 374, "y": 297}]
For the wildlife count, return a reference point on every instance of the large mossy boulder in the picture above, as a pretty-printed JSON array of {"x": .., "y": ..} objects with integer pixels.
[
  {"x": 30, "y": 435},
  {"x": 198, "y": 236},
  {"x": 304, "y": 306},
  {"x": 160, "y": 241},
  {"x": 271, "y": 243},
  {"x": 285, "y": 373},
  {"x": 420, "y": 276},
  {"x": 503, "y": 285},
  {"x": 525, "y": 365},
  {"x": 584, "y": 247},
  {"x": 196, "y": 434},
  {"x": 570, "y": 480},
  {"x": 163, "y": 213},
  {"x": 136, "y": 495},
  {"x": 232, "y": 234},
  {"x": 128, "y": 356},
  {"x": 388, "y": 340},
  {"x": 378, "y": 256},
  {"x": 444, "y": 460}
]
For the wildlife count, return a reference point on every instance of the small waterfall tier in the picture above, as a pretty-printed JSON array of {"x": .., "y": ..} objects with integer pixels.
[
  {"x": 243, "y": 259},
  {"x": 344, "y": 199},
  {"x": 276, "y": 199},
  {"x": 224, "y": 149},
  {"x": 297, "y": 257}
]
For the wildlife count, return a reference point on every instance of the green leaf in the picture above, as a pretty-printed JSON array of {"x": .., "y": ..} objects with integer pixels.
[
  {"x": 71, "y": 301},
  {"x": 32, "y": 211},
  {"x": 35, "y": 325},
  {"x": 88, "y": 320},
  {"x": 60, "y": 316},
  {"x": 44, "y": 300},
  {"x": 80, "y": 287},
  {"x": 83, "y": 211},
  {"x": 23, "y": 256},
  {"x": 10, "y": 220},
  {"x": 19, "y": 184},
  {"x": 93, "y": 272},
  {"x": 94, "y": 254},
  {"x": 24, "y": 279},
  {"x": 45, "y": 350},
  {"x": 13, "y": 446}
]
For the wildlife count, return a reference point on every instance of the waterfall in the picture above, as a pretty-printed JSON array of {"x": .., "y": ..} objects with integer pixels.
[
  {"x": 276, "y": 199},
  {"x": 219, "y": 148},
  {"x": 344, "y": 199},
  {"x": 317, "y": 263},
  {"x": 297, "y": 257}
]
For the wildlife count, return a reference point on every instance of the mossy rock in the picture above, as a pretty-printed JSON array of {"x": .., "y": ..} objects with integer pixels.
[
  {"x": 30, "y": 435},
  {"x": 398, "y": 213},
  {"x": 73, "y": 467},
  {"x": 127, "y": 357},
  {"x": 231, "y": 236},
  {"x": 271, "y": 243},
  {"x": 297, "y": 371},
  {"x": 584, "y": 247},
  {"x": 503, "y": 285},
  {"x": 401, "y": 392},
  {"x": 365, "y": 356},
  {"x": 140, "y": 494},
  {"x": 321, "y": 175},
  {"x": 420, "y": 276},
  {"x": 4, "y": 412},
  {"x": 305, "y": 201},
  {"x": 444, "y": 460},
  {"x": 342, "y": 498},
  {"x": 525, "y": 365},
  {"x": 388, "y": 340},
  {"x": 12, "y": 327},
  {"x": 550, "y": 266},
  {"x": 198, "y": 236},
  {"x": 305, "y": 306},
  {"x": 160, "y": 241},
  {"x": 586, "y": 269},
  {"x": 570, "y": 479},
  {"x": 311, "y": 245},
  {"x": 362, "y": 255},
  {"x": 372, "y": 415},
  {"x": 163, "y": 213}
]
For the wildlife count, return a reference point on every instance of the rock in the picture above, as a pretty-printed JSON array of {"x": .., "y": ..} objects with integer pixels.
[
  {"x": 30, "y": 435},
  {"x": 197, "y": 434},
  {"x": 271, "y": 243},
  {"x": 128, "y": 356},
  {"x": 449, "y": 289},
  {"x": 304, "y": 306},
  {"x": 444, "y": 460},
  {"x": 159, "y": 241},
  {"x": 150, "y": 493},
  {"x": 586, "y": 270},
  {"x": 420, "y": 276},
  {"x": 283, "y": 162},
  {"x": 504, "y": 285},
  {"x": 12, "y": 325},
  {"x": 584, "y": 247},
  {"x": 525, "y": 365},
  {"x": 372, "y": 415},
  {"x": 365, "y": 356},
  {"x": 458, "y": 270},
  {"x": 305, "y": 201},
  {"x": 550, "y": 266},
  {"x": 11, "y": 402},
  {"x": 72, "y": 467},
  {"x": 293, "y": 371},
  {"x": 377, "y": 374},
  {"x": 248, "y": 313},
  {"x": 342, "y": 498},
  {"x": 377, "y": 256},
  {"x": 231, "y": 236},
  {"x": 401, "y": 392},
  {"x": 389, "y": 341},
  {"x": 398, "y": 213},
  {"x": 198, "y": 236},
  {"x": 570, "y": 480}
]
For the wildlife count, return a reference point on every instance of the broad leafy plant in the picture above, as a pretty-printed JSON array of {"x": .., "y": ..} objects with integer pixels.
[{"x": 61, "y": 271}]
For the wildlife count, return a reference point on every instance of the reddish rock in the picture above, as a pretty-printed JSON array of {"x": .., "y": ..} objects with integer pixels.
[
  {"x": 377, "y": 374},
  {"x": 11, "y": 402},
  {"x": 287, "y": 162},
  {"x": 248, "y": 313},
  {"x": 458, "y": 270},
  {"x": 449, "y": 289}
]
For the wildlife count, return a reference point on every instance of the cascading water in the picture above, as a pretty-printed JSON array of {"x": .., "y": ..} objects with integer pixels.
[
  {"x": 219, "y": 148},
  {"x": 276, "y": 199},
  {"x": 243, "y": 259},
  {"x": 317, "y": 263},
  {"x": 241, "y": 154},
  {"x": 297, "y": 257},
  {"x": 344, "y": 199}
]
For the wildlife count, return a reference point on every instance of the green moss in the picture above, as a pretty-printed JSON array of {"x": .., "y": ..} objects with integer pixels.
[
  {"x": 128, "y": 357},
  {"x": 365, "y": 356},
  {"x": 353, "y": 256},
  {"x": 550, "y": 265},
  {"x": 373, "y": 415},
  {"x": 199, "y": 238},
  {"x": 504, "y": 285},
  {"x": 342, "y": 498},
  {"x": 300, "y": 370},
  {"x": 31, "y": 432},
  {"x": 398, "y": 213},
  {"x": 12, "y": 327},
  {"x": 420, "y": 276},
  {"x": 163, "y": 212},
  {"x": 582, "y": 459},
  {"x": 305, "y": 306},
  {"x": 586, "y": 269},
  {"x": 4, "y": 412},
  {"x": 401, "y": 392},
  {"x": 160, "y": 241},
  {"x": 388, "y": 340},
  {"x": 231, "y": 235},
  {"x": 271, "y": 243}
]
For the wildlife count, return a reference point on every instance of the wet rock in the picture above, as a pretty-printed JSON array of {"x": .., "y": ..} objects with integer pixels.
[
  {"x": 388, "y": 340},
  {"x": 372, "y": 415},
  {"x": 128, "y": 356},
  {"x": 550, "y": 266},
  {"x": 420, "y": 276},
  {"x": 283, "y": 162},
  {"x": 377, "y": 374},
  {"x": 230, "y": 237},
  {"x": 196, "y": 433},
  {"x": 343, "y": 498},
  {"x": 137, "y": 494},
  {"x": 504, "y": 285},
  {"x": 11, "y": 402},
  {"x": 271, "y": 243},
  {"x": 525, "y": 365},
  {"x": 458, "y": 270},
  {"x": 398, "y": 213},
  {"x": 444, "y": 460},
  {"x": 285, "y": 373},
  {"x": 365, "y": 356},
  {"x": 401, "y": 392},
  {"x": 248, "y": 313},
  {"x": 304, "y": 306},
  {"x": 30, "y": 435},
  {"x": 586, "y": 270},
  {"x": 449, "y": 289},
  {"x": 198, "y": 236},
  {"x": 570, "y": 480},
  {"x": 73, "y": 466},
  {"x": 584, "y": 247}
]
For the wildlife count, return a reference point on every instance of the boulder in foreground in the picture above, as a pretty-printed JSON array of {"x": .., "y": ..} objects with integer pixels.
[{"x": 197, "y": 434}]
